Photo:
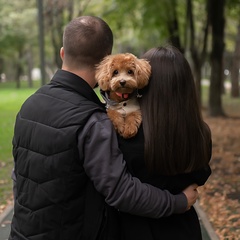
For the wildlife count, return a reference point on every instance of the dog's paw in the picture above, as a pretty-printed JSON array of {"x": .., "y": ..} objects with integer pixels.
[
  {"x": 129, "y": 131},
  {"x": 120, "y": 128},
  {"x": 132, "y": 123}
]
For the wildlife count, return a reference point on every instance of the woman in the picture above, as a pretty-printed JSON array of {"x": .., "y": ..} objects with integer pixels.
[{"x": 172, "y": 149}]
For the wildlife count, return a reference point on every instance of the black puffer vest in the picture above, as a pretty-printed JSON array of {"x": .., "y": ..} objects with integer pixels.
[{"x": 51, "y": 183}]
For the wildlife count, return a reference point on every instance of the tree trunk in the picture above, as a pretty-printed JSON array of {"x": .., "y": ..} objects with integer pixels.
[
  {"x": 198, "y": 78},
  {"x": 19, "y": 68},
  {"x": 173, "y": 28},
  {"x": 215, "y": 101},
  {"x": 235, "y": 67},
  {"x": 30, "y": 67},
  {"x": 1, "y": 65},
  {"x": 198, "y": 55},
  {"x": 41, "y": 36},
  {"x": 56, "y": 11},
  {"x": 217, "y": 21}
]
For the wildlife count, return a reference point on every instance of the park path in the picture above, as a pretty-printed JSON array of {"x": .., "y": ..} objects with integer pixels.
[{"x": 5, "y": 222}]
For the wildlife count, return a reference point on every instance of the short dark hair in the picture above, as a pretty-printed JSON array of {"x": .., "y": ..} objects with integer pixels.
[
  {"x": 176, "y": 138},
  {"x": 86, "y": 40}
]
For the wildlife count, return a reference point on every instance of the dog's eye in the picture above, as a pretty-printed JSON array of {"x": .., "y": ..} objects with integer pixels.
[
  {"x": 130, "y": 72},
  {"x": 115, "y": 72}
]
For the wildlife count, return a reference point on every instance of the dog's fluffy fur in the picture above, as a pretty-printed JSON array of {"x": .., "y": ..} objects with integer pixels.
[{"x": 120, "y": 76}]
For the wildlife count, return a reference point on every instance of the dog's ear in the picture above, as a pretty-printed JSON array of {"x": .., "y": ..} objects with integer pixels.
[
  {"x": 143, "y": 72},
  {"x": 103, "y": 73}
]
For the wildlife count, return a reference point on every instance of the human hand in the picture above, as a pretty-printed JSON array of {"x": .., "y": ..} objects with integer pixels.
[{"x": 192, "y": 194}]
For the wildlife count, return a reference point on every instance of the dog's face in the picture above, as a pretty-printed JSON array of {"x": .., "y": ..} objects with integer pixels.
[{"x": 122, "y": 74}]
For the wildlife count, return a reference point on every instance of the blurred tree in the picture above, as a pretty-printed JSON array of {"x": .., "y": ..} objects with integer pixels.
[
  {"x": 17, "y": 36},
  {"x": 236, "y": 66},
  {"x": 57, "y": 14},
  {"x": 173, "y": 25},
  {"x": 125, "y": 19},
  {"x": 41, "y": 40},
  {"x": 234, "y": 7},
  {"x": 198, "y": 45},
  {"x": 137, "y": 26},
  {"x": 54, "y": 15},
  {"x": 217, "y": 22}
]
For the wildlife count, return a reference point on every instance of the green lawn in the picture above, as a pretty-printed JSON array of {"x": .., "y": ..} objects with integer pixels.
[{"x": 11, "y": 100}]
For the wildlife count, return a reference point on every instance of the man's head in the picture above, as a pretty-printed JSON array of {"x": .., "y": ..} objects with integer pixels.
[{"x": 86, "y": 40}]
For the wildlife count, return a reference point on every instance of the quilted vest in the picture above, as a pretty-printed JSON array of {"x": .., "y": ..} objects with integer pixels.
[{"x": 51, "y": 182}]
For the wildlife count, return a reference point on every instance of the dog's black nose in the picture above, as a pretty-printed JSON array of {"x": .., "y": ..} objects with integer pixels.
[{"x": 122, "y": 82}]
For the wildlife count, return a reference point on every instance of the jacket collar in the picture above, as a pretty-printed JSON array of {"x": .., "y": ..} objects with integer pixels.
[{"x": 76, "y": 83}]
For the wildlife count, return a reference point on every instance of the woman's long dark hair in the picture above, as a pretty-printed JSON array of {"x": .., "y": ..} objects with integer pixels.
[{"x": 176, "y": 138}]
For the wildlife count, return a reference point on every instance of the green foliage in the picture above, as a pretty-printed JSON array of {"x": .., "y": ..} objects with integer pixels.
[
  {"x": 137, "y": 24},
  {"x": 18, "y": 35},
  {"x": 16, "y": 28}
]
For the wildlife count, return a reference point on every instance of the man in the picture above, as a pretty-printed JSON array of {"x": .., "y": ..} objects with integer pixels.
[{"x": 64, "y": 144}]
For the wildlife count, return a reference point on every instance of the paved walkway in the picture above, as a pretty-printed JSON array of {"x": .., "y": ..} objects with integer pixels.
[
  {"x": 207, "y": 230},
  {"x": 5, "y": 222}
]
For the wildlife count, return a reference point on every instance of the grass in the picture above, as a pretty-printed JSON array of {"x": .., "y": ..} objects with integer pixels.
[{"x": 11, "y": 100}]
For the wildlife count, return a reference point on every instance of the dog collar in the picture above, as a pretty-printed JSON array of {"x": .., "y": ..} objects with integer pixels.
[
  {"x": 108, "y": 101},
  {"x": 123, "y": 107}
]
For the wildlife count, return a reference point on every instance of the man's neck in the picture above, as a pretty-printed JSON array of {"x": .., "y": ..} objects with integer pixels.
[{"x": 87, "y": 74}]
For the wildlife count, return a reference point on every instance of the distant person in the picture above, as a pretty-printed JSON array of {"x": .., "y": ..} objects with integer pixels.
[
  {"x": 172, "y": 149},
  {"x": 65, "y": 148}
]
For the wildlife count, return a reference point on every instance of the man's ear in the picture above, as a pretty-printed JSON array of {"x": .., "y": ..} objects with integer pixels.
[{"x": 62, "y": 53}]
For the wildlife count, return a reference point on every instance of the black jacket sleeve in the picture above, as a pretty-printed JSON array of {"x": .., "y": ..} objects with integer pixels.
[{"x": 106, "y": 168}]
